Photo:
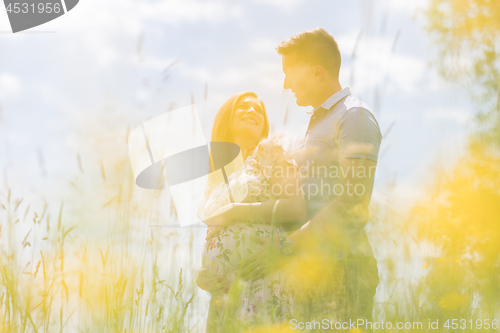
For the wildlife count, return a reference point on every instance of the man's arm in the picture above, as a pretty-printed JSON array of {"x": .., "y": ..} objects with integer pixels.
[
  {"x": 327, "y": 227},
  {"x": 358, "y": 142}
]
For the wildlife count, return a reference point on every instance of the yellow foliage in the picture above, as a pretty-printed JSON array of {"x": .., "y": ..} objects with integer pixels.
[
  {"x": 463, "y": 217},
  {"x": 278, "y": 328},
  {"x": 453, "y": 301}
]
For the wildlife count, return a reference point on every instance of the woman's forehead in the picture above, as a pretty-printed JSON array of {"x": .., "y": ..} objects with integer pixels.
[{"x": 249, "y": 99}]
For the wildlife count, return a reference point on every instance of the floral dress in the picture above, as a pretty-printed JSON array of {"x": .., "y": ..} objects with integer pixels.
[{"x": 265, "y": 301}]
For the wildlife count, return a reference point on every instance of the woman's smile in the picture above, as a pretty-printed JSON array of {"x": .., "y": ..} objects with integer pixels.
[
  {"x": 248, "y": 123},
  {"x": 250, "y": 120}
]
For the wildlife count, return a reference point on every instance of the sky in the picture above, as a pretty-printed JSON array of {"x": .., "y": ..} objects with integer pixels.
[{"x": 111, "y": 65}]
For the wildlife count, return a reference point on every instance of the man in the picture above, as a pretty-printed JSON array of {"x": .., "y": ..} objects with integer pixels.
[{"x": 337, "y": 157}]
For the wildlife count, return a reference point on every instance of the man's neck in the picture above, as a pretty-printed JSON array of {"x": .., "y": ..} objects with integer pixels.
[{"x": 327, "y": 93}]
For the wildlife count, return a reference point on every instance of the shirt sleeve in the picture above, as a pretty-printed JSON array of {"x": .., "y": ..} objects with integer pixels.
[{"x": 359, "y": 135}]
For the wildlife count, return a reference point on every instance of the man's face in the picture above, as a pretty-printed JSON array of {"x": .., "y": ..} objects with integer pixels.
[{"x": 300, "y": 78}]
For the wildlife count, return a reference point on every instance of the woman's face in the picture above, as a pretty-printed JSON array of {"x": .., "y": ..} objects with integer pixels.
[{"x": 248, "y": 121}]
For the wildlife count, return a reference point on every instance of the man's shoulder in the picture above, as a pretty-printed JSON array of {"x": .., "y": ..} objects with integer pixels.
[
  {"x": 354, "y": 103},
  {"x": 353, "y": 108}
]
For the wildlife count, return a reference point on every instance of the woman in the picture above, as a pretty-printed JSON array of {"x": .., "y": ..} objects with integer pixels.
[{"x": 269, "y": 174}]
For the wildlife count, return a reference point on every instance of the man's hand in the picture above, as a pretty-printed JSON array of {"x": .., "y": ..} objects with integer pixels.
[
  {"x": 206, "y": 281},
  {"x": 266, "y": 260}
]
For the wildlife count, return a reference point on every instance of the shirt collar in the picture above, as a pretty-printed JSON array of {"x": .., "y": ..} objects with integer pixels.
[{"x": 332, "y": 100}]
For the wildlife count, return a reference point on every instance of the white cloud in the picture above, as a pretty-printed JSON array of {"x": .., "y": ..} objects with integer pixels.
[
  {"x": 446, "y": 114},
  {"x": 452, "y": 115},
  {"x": 179, "y": 11},
  {"x": 10, "y": 86},
  {"x": 408, "y": 7},
  {"x": 155, "y": 63},
  {"x": 406, "y": 72},
  {"x": 197, "y": 73},
  {"x": 106, "y": 37},
  {"x": 265, "y": 75},
  {"x": 264, "y": 45},
  {"x": 102, "y": 50},
  {"x": 129, "y": 16},
  {"x": 282, "y": 4},
  {"x": 375, "y": 65},
  {"x": 347, "y": 42}
]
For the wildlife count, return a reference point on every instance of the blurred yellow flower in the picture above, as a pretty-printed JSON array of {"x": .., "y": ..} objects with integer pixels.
[
  {"x": 453, "y": 301},
  {"x": 278, "y": 328}
]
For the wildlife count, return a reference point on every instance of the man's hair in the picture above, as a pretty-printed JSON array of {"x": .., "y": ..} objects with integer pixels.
[{"x": 315, "y": 46}]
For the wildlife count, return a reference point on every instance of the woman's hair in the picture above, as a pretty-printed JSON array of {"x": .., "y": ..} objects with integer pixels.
[{"x": 221, "y": 131}]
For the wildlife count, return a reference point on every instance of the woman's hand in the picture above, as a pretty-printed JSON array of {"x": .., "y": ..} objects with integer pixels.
[
  {"x": 213, "y": 231},
  {"x": 206, "y": 281},
  {"x": 264, "y": 261}
]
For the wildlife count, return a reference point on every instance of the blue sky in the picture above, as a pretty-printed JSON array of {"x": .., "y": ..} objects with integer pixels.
[{"x": 99, "y": 69}]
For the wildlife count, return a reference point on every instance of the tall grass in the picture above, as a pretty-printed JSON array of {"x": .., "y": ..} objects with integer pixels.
[{"x": 98, "y": 266}]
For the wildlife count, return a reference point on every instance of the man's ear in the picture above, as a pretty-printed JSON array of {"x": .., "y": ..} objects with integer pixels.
[{"x": 319, "y": 72}]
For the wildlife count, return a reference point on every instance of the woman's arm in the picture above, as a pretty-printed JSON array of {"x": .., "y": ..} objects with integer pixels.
[{"x": 285, "y": 186}]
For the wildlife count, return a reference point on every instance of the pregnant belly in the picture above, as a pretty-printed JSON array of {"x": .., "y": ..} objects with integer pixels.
[{"x": 223, "y": 253}]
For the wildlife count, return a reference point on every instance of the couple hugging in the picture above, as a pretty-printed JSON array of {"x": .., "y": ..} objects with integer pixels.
[{"x": 295, "y": 248}]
